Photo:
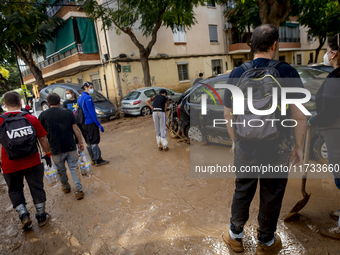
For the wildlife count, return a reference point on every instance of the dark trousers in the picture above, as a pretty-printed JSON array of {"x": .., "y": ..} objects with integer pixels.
[
  {"x": 91, "y": 133},
  {"x": 272, "y": 189},
  {"x": 34, "y": 177}
]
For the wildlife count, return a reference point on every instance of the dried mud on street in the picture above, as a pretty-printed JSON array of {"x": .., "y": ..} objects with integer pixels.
[{"x": 144, "y": 202}]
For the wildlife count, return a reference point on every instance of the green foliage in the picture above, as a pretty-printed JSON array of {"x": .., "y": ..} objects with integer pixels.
[
  {"x": 124, "y": 16},
  {"x": 245, "y": 14},
  {"x": 13, "y": 82},
  {"x": 27, "y": 26},
  {"x": 322, "y": 17}
]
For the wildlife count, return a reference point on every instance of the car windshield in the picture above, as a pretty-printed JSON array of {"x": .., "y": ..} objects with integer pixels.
[
  {"x": 312, "y": 79},
  {"x": 96, "y": 96},
  {"x": 132, "y": 95}
]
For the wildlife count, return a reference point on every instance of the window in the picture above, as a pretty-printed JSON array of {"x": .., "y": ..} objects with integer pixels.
[
  {"x": 132, "y": 95},
  {"x": 179, "y": 35},
  {"x": 60, "y": 91},
  {"x": 49, "y": 89},
  {"x": 96, "y": 82},
  {"x": 169, "y": 92},
  {"x": 150, "y": 93},
  {"x": 216, "y": 67},
  {"x": 80, "y": 80},
  {"x": 211, "y": 3},
  {"x": 311, "y": 57},
  {"x": 237, "y": 62},
  {"x": 289, "y": 34},
  {"x": 282, "y": 58},
  {"x": 213, "y": 33},
  {"x": 183, "y": 72},
  {"x": 298, "y": 59},
  {"x": 195, "y": 97}
]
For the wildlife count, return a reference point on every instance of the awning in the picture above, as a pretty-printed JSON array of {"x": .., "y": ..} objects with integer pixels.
[
  {"x": 291, "y": 24},
  {"x": 63, "y": 41},
  {"x": 87, "y": 35}
]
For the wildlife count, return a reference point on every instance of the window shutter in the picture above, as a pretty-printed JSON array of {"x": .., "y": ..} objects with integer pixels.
[{"x": 213, "y": 33}]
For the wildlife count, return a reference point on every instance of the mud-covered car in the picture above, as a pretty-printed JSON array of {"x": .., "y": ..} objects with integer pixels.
[{"x": 201, "y": 130}]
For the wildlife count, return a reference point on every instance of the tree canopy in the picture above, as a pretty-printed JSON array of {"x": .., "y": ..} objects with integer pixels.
[
  {"x": 127, "y": 16},
  {"x": 24, "y": 30},
  {"x": 322, "y": 17}
]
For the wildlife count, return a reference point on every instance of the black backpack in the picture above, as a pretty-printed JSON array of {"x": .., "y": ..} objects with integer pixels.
[
  {"x": 80, "y": 119},
  {"x": 262, "y": 80},
  {"x": 18, "y": 136}
]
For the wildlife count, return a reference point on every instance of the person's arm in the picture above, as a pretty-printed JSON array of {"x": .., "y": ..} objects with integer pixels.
[
  {"x": 148, "y": 102},
  {"x": 45, "y": 145},
  {"x": 77, "y": 132},
  {"x": 299, "y": 132},
  {"x": 228, "y": 117},
  {"x": 91, "y": 110},
  {"x": 327, "y": 115}
]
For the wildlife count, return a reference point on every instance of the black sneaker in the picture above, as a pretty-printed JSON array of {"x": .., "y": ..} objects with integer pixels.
[
  {"x": 101, "y": 162},
  {"x": 26, "y": 222},
  {"x": 42, "y": 219}
]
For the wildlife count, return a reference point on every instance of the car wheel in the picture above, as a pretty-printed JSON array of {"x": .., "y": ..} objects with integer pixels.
[
  {"x": 195, "y": 135},
  {"x": 45, "y": 106},
  {"x": 145, "y": 111},
  {"x": 320, "y": 151}
]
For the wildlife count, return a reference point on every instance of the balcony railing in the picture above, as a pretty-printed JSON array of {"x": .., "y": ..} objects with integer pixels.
[
  {"x": 55, "y": 8},
  {"x": 53, "y": 59}
]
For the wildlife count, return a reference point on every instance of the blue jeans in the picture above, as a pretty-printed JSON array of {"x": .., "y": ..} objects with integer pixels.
[{"x": 72, "y": 162}]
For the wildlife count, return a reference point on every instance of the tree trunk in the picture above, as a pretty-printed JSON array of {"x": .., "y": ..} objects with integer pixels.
[
  {"x": 322, "y": 41},
  {"x": 27, "y": 57},
  {"x": 146, "y": 70},
  {"x": 38, "y": 76}
]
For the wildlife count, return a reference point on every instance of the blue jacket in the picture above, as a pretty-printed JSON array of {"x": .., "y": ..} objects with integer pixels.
[{"x": 85, "y": 101}]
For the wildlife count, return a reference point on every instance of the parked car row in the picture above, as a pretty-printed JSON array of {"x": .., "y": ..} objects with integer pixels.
[
  {"x": 134, "y": 102},
  {"x": 105, "y": 110}
]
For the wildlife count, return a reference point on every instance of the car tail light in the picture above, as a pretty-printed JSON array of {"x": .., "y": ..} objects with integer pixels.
[
  {"x": 137, "y": 102},
  {"x": 178, "y": 110}
]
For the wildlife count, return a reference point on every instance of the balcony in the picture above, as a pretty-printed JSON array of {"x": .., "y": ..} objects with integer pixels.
[{"x": 51, "y": 11}]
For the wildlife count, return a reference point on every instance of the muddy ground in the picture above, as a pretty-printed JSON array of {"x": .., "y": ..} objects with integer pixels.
[{"x": 144, "y": 202}]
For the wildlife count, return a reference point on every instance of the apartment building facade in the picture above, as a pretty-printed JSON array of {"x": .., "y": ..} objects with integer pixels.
[{"x": 82, "y": 51}]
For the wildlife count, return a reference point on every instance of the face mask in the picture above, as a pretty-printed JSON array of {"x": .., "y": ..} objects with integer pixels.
[
  {"x": 90, "y": 91},
  {"x": 68, "y": 96},
  {"x": 326, "y": 60}
]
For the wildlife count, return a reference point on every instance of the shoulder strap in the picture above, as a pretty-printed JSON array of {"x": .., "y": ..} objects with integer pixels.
[
  {"x": 4, "y": 116},
  {"x": 22, "y": 114},
  {"x": 248, "y": 65},
  {"x": 275, "y": 63}
]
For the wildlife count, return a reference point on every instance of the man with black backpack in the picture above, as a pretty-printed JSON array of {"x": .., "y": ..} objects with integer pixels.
[
  {"x": 265, "y": 145},
  {"x": 86, "y": 115},
  {"x": 19, "y": 135}
]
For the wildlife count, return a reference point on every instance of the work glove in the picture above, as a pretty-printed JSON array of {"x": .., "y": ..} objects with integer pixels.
[
  {"x": 47, "y": 158},
  {"x": 101, "y": 128}
]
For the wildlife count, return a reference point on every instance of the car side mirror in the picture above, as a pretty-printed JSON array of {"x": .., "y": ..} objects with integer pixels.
[{"x": 173, "y": 93}]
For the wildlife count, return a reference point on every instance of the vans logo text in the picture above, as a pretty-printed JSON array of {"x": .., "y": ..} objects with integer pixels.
[{"x": 20, "y": 132}]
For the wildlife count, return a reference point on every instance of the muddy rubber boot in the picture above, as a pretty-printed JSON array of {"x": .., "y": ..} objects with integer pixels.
[
  {"x": 165, "y": 144},
  {"x": 41, "y": 216},
  {"x": 101, "y": 162},
  {"x": 24, "y": 216},
  {"x": 159, "y": 144},
  {"x": 79, "y": 194},
  {"x": 269, "y": 249},
  {"x": 334, "y": 215},
  {"x": 235, "y": 244},
  {"x": 333, "y": 233}
]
